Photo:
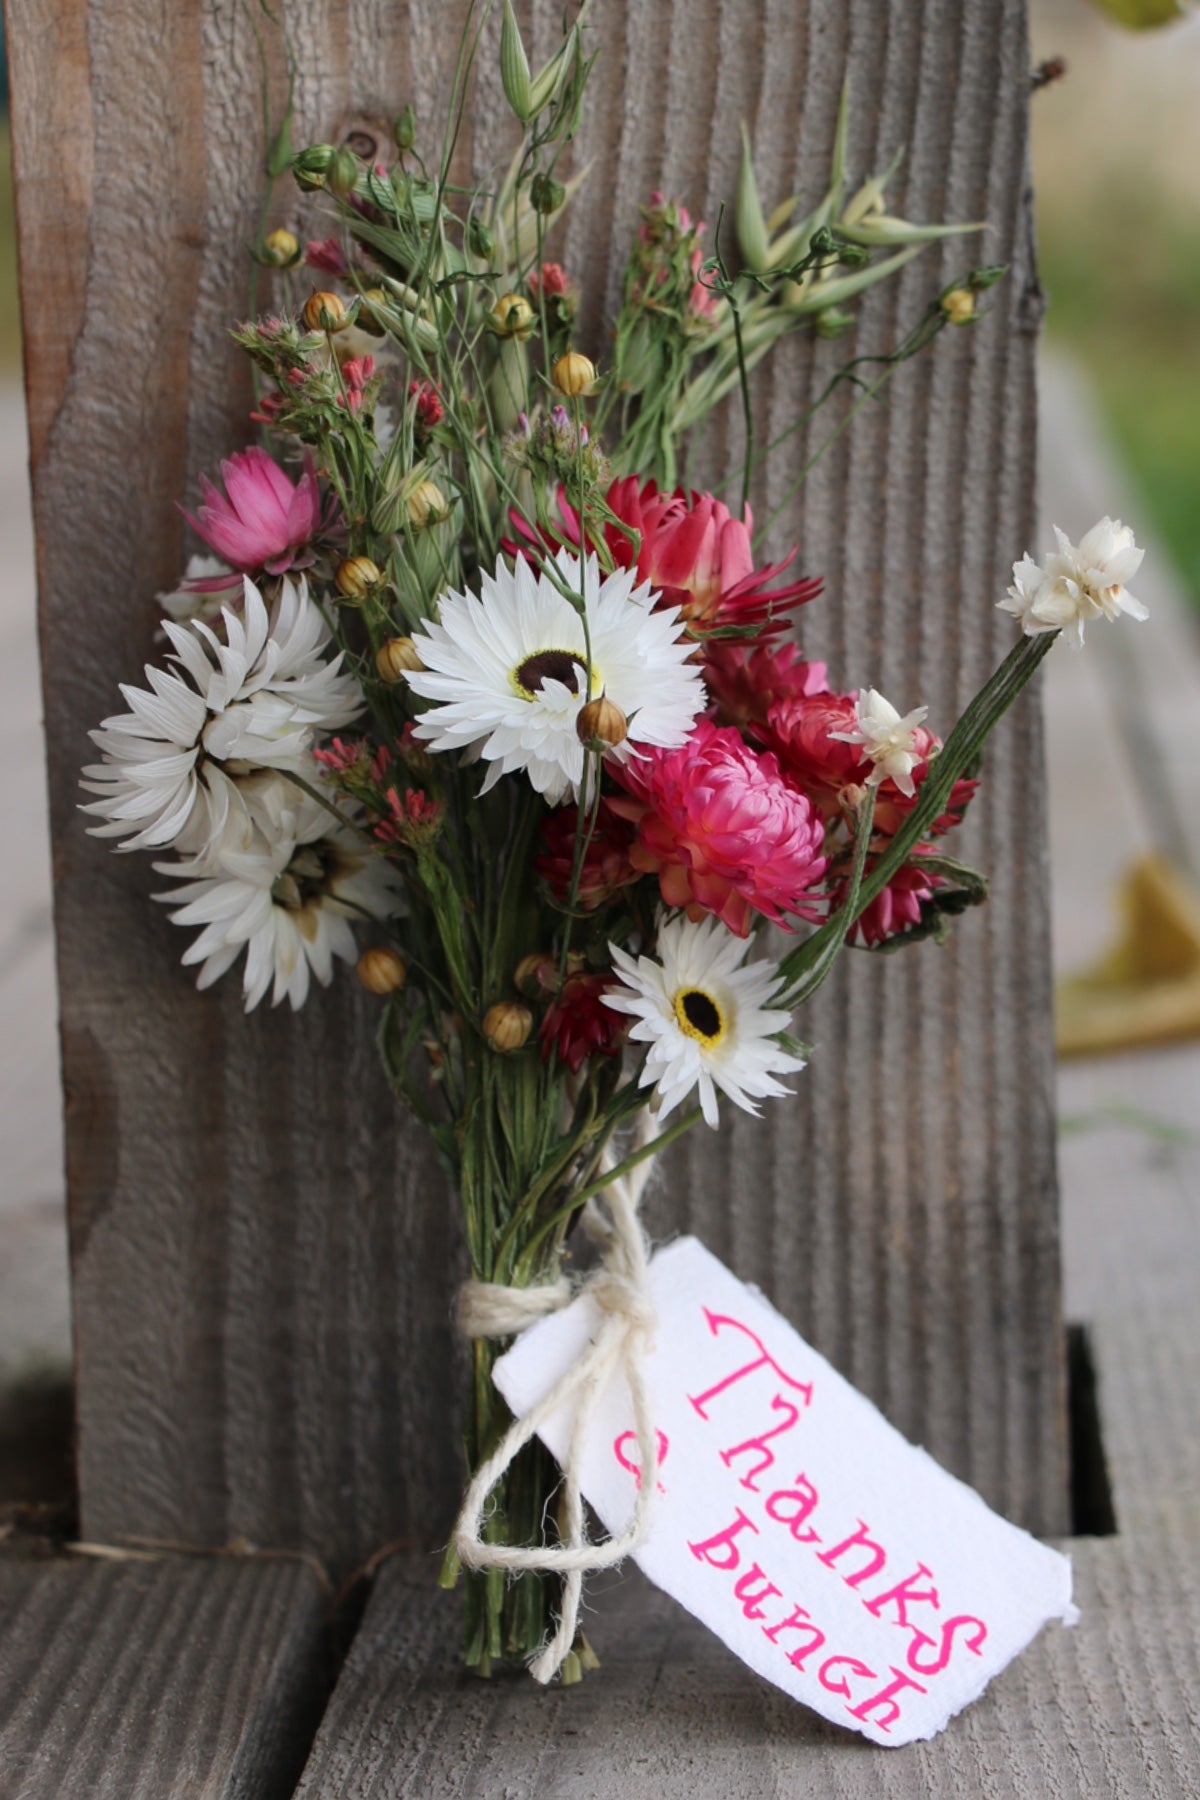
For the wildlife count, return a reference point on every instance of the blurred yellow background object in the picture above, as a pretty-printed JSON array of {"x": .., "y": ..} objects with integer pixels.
[{"x": 1146, "y": 988}]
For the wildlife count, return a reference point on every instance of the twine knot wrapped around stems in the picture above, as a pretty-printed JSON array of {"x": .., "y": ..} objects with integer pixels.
[{"x": 618, "y": 1287}]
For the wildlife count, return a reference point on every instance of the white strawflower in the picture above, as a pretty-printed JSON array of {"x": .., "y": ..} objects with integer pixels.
[
  {"x": 1077, "y": 582},
  {"x": 252, "y": 701},
  {"x": 506, "y": 671},
  {"x": 890, "y": 743},
  {"x": 282, "y": 883},
  {"x": 702, "y": 1009}
]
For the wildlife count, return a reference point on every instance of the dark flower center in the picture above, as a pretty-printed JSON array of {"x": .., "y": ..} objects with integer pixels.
[
  {"x": 550, "y": 665},
  {"x": 701, "y": 1013}
]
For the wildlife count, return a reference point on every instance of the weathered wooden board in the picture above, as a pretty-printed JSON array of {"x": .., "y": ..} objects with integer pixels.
[
  {"x": 1105, "y": 1710},
  {"x": 1108, "y": 1711},
  {"x": 262, "y": 1255},
  {"x": 198, "y": 1680}
]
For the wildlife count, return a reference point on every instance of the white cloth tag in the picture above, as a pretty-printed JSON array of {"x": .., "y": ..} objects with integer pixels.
[{"x": 830, "y": 1554}]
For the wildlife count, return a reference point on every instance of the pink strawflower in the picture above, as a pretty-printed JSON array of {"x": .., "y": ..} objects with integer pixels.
[
  {"x": 413, "y": 819},
  {"x": 428, "y": 405},
  {"x": 356, "y": 372},
  {"x": 262, "y": 521},
  {"x": 606, "y": 867},
  {"x": 897, "y": 908},
  {"x": 341, "y": 758},
  {"x": 326, "y": 254},
  {"x": 578, "y": 1024},
  {"x": 746, "y": 679},
  {"x": 722, "y": 830},
  {"x": 553, "y": 279}
]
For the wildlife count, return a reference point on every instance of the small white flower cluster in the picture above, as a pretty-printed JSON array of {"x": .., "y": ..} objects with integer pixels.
[
  {"x": 1077, "y": 583},
  {"x": 888, "y": 741},
  {"x": 200, "y": 765}
]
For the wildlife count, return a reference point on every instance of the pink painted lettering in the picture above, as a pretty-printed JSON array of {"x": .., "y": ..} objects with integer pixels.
[
  {"x": 759, "y": 1443},
  {"x": 792, "y": 1506},
  {"x": 842, "y": 1685},
  {"x": 797, "y": 1620},
  {"x": 859, "y": 1540},
  {"x": 752, "y": 1601},
  {"x": 884, "y": 1703},
  {"x": 764, "y": 1360},
  {"x": 628, "y": 1439},
  {"x": 974, "y": 1640},
  {"x": 903, "y": 1595},
  {"x": 720, "y": 1552}
]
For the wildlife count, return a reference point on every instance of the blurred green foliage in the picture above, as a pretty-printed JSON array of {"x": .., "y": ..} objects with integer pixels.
[{"x": 1124, "y": 286}]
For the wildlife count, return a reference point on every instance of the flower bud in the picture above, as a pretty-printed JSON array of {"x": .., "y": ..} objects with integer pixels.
[
  {"x": 341, "y": 177},
  {"x": 280, "y": 249},
  {"x": 311, "y": 165},
  {"x": 480, "y": 240},
  {"x": 404, "y": 129},
  {"x": 382, "y": 970},
  {"x": 374, "y": 301},
  {"x": 959, "y": 305},
  {"x": 507, "y": 1025},
  {"x": 426, "y": 505},
  {"x": 527, "y": 974},
  {"x": 546, "y": 194},
  {"x": 574, "y": 374},
  {"x": 834, "y": 322},
  {"x": 324, "y": 312},
  {"x": 512, "y": 316},
  {"x": 355, "y": 576},
  {"x": 601, "y": 721},
  {"x": 396, "y": 658}
]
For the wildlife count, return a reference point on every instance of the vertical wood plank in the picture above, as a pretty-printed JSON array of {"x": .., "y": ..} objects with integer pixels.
[{"x": 263, "y": 1254}]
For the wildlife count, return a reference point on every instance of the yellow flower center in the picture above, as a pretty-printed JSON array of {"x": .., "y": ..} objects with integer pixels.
[
  {"x": 700, "y": 1016},
  {"x": 566, "y": 666}
]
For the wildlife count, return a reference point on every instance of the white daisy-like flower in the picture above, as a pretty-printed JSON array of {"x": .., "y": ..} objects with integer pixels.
[
  {"x": 704, "y": 1012},
  {"x": 888, "y": 741},
  {"x": 1077, "y": 582},
  {"x": 251, "y": 700},
  {"x": 282, "y": 883},
  {"x": 507, "y": 671}
]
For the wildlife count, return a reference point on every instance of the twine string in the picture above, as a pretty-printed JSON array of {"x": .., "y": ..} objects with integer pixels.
[{"x": 618, "y": 1288}]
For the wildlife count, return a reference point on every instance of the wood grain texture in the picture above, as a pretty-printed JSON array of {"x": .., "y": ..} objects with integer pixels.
[
  {"x": 170, "y": 1681},
  {"x": 262, "y": 1253},
  {"x": 1107, "y": 1711}
]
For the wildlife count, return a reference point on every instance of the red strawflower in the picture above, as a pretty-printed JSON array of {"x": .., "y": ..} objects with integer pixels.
[
  {"x": 897, "y": 908},
  {"x": 578, "y": 1024},
  {"x": 722, "y": 830},
  {"x": 746, "y": 679},
  {"x": 693, "y": 551},
  {"x": 606, "y": 867},
  {"x": 800, "y": 730}
]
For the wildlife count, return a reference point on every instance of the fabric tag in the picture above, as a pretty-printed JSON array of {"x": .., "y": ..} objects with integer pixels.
[{"x": 831, "y": 1555}]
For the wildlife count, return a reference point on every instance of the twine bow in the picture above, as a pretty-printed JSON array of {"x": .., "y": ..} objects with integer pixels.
[{"x": 618, "y": 1288}]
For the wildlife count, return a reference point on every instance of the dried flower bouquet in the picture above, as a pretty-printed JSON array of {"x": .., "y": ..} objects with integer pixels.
[{"x": 470, "y": 675}]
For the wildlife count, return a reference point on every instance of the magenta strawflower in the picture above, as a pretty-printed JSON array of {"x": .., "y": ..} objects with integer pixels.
[
  {"x": 263, "y": 521},
  {"x": 722, "y": 830}
]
